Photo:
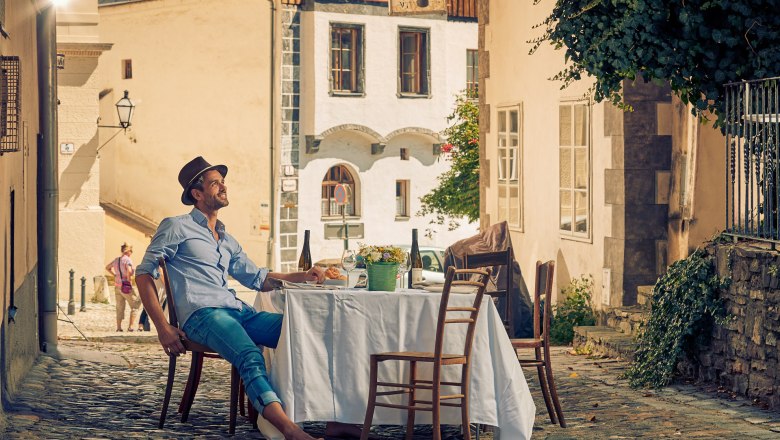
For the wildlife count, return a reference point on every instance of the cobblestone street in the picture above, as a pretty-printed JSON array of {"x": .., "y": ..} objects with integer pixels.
[{"x": 117, "y": 394}]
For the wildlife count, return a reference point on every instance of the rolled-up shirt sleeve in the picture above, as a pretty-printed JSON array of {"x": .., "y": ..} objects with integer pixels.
[
  {"x": 243, "y": 270},
  {"x": 164, "y": 244}
]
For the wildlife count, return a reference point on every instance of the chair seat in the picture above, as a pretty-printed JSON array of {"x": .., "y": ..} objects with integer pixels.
[
  {"x": 527, "y": 343},
  {"x": 194, "y": 346},
  {"x": 421, "y": 356}
]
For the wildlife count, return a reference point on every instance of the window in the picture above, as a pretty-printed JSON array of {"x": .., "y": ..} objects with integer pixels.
[
  {"x": 430, "y": 262},
  {"x": 346, "y": 58},
  {"x": 402, "y": 198},
  {"x": 413, "y": 62},
  {"x": 509, "y": 167},
  {"x": 10, "y": 103},
  {"x": 127, "y": 69},
  {"x": 574, "y": 168},
  {"x": 337, "y": 175},
  {"x": 404, "y": 154},
  {"x": 472, "y": 71}
]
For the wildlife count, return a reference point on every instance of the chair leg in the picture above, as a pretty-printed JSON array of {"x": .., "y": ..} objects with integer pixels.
[
  {"x": 234, "y": 386},
  {"x": 168, "y": 389},
  {"x": 410, "y": 414},
  {"x": 241, "y": 407},
  {"x": 435, "y": 401},
  {"x": 545, "y": 387},
  {"x": 464, "y": 403},
  {"x": 551, "y": 383},
  {"x": 195, "y": 369},
  {"x": 188, "y": 385},
  {"x": 371, "y": 400},
  {"x": 253, "y": 414}
]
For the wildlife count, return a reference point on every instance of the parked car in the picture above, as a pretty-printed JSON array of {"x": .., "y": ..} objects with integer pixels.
[{"x": 432, "y": 260}]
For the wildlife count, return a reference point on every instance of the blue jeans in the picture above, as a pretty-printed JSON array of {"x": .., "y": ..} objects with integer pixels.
[{"x": 235, "y": 335}]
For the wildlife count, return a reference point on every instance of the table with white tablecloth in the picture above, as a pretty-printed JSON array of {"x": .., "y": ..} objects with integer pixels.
[{"x": 321, "y": 364}]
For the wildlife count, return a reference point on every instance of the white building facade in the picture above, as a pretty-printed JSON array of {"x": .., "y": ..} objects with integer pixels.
[{"x": 371, "y": 93}]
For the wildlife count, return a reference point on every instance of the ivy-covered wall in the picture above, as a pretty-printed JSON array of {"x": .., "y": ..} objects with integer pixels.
[{"x": 743, "y": 354}]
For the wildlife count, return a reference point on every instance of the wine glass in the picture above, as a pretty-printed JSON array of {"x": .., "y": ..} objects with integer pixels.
[
  {"x": 348, "y": 262},
  {"x": 403, "y": 266}
]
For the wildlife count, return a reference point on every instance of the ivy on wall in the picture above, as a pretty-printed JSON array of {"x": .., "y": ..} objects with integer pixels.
[
  {"x": 694, "y": 45},
  {"x": 685, "y": 304}
]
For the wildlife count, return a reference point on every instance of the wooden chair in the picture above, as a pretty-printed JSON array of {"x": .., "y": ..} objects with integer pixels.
[
  {"x": 438, "y": 359},
  {"x": 198, "y": 353},
  {"x": 493, "y": 260},
  {"x": 541, "y": 341}
]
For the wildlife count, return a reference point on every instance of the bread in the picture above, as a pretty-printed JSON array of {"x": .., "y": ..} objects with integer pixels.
[{"x": 334, "y": 273}]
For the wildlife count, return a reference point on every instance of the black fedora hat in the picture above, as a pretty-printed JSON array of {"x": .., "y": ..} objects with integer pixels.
[{"x": 190, "y": 173}]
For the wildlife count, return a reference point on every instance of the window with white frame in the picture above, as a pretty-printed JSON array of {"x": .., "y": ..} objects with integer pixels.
[
  {"x": 337, "y": 175},
  {"x": 510, "y": 206},
  {"x": 574, "y": 168},
  {"x": 402, "y": 198}
]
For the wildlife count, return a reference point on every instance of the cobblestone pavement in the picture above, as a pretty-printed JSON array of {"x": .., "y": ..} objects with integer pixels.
[{"x": 104, "y": 389}]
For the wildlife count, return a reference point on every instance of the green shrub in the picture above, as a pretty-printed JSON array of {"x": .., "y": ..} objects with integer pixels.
[
  {"x": 574, "y": 310},
  {"x": 685, "y": 304}
]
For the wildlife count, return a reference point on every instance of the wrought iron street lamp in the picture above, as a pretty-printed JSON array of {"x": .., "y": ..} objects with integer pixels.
[{"x": 124, "y": 109}]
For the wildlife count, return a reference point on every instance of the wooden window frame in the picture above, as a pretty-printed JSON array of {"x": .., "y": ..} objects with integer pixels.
[
  {"x": 336, "y": 175},
  {"x": 571, "y": 233},
  {"x": 421, "y": 70},
  {"x": 472, "y": 69},
  {"x": 335, "y": 70},
  {"x": 510, "y": 162},
  {"x": 404, "y": 186},
  {"x": 127, "y": 69}
]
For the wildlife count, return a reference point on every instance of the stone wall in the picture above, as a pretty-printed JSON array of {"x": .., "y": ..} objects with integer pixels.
[{"x": 743, "y": 354}]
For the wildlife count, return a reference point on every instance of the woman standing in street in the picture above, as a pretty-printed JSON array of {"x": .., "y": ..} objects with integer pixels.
[{"x": 122, "y": 269}]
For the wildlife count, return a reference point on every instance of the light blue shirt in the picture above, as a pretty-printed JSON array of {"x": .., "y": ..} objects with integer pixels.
[{"x": 198, "y": 266}]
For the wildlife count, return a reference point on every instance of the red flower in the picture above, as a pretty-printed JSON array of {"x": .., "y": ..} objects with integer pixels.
[
  {"x": 446, "y": 148},
  {"x": 473, "y": 141}
]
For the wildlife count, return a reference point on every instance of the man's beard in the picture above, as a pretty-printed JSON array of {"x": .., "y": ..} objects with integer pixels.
[{"x": 215, "y": 203}]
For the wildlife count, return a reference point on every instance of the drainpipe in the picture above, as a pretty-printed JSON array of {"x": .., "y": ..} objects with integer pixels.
[
  {"x": 48, "y": 191},
  {"x": 271, "y": 139}
]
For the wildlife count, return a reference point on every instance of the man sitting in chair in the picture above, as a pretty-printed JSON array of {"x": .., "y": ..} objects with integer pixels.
[{"x": 200, "y": 255}]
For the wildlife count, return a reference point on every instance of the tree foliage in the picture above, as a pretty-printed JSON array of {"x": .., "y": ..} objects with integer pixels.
[
  {"x": 694, "y": 45},
  {"x": 457, "y": 193}
]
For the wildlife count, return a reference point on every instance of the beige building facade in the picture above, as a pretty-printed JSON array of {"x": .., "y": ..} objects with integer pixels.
[
  {"x": 18, "y": 194},
  {"x": 82, "y": 219},
  {"x": 194, "y": 96},
  {"x": 602, "y": 192}
]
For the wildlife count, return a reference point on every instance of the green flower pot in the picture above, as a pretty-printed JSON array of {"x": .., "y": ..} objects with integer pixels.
[{"x": 382, "y": 276}]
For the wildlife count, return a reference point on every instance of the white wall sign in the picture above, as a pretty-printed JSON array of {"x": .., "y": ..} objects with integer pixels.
[
  {"x": 67, "y": 148},
  {"x": 289, "y": 185}
]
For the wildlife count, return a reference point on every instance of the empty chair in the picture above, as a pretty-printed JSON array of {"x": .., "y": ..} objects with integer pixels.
[
  {"x": 438, "y": 358},
  {"x": 496, "y": 260},
  {"x": 540, "y": 343}
]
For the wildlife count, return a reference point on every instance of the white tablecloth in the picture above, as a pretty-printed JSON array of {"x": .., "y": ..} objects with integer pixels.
[{"x": 321, "y": 365}]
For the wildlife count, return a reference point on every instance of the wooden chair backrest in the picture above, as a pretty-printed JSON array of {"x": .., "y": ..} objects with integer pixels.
[
  {"x": 480, "y": 281},
  {"x": 172, "y": 320},
  {"x": 494, "y": 260},
  {"x": 543, "y": 287}
]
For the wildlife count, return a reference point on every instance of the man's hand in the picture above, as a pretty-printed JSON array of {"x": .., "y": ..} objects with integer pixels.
[
  {"x": 316, "y": 273},
  {"x": 170, "y": 338}
]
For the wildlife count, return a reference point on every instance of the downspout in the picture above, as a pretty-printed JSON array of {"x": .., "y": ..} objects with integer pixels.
[
  {"x": 271, "y": 140},
  {"x": 48, "y": 191}
]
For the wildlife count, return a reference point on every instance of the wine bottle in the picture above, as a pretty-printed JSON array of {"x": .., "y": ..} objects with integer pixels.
[
  {"x": 304, "y": 262},
  {"x": 415, "y": 273}
]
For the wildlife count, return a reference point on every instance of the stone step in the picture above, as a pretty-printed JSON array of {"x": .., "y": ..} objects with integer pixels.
[
  {"x": 644, "y": 296},
  {"x": 604, "y": 341},
  {"x": 626, "y": 319}
]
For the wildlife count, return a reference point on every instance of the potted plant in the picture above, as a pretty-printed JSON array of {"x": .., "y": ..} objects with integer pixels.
[{"x": 382, "y": 266}]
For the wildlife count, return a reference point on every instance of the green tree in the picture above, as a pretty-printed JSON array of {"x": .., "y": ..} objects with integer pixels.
[
  {"x": 457, "y": 194},
  {"x": 694, "y": 45}
]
